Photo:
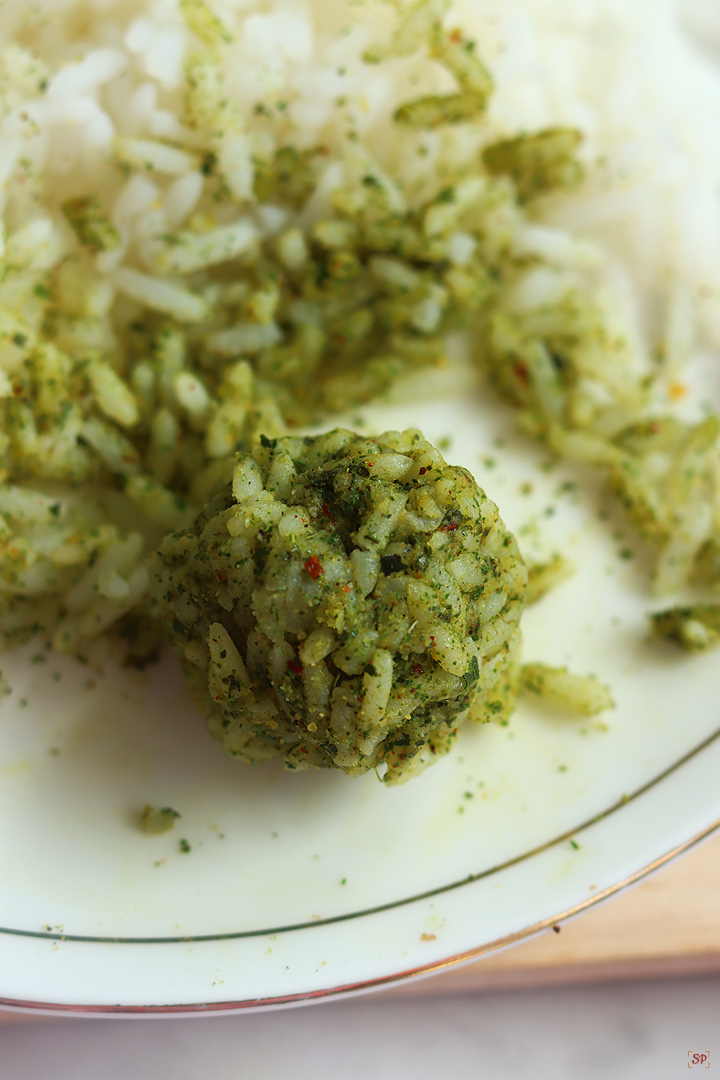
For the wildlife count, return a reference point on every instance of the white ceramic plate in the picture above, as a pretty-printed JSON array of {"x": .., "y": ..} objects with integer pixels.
[{"x": 300, "y": 886}]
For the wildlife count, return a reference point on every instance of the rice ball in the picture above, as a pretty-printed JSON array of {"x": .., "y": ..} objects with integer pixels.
[{"x": 344, "y": 603}]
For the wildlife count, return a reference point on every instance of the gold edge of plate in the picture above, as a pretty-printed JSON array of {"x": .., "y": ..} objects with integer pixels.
[{"x": 338, "y": 992}]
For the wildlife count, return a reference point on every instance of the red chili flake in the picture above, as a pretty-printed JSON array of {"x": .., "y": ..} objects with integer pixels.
[
  {"x": 557, "y": 929},
  {"x": 295, "y": 666},
  {"x": 314, "y": 568},
  {"x": 326, "y": 509},
  {"x": 522, "y": 373},
  {"x": 221, "y": 575},
  {"x": 417, "y": 669},
  {"x": 346, "y": 588},
  {"x": 423, "y": 470},
  {"x": 448, "y": 528}
]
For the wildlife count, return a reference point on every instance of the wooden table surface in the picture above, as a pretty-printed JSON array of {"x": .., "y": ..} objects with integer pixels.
[{"x": 667, "y": 925}]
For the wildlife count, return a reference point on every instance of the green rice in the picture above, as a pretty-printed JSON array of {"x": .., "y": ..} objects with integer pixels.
[
  {"x": 544, "y": 576},
  {"x": 344, "y": 603},
  {"x": 583, "y": 694},
  {"x": 694, "y": 628},
  {"x": 155, "y": 821},
  {"x": 216, "y": 283}
]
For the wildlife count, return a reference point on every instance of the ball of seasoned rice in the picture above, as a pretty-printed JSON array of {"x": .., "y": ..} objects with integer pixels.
[{"x": 344, "y": 603}]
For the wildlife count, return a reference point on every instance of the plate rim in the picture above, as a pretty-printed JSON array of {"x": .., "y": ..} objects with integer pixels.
[
  {"x": 391, "y": 905},
  {"x": 194, "y": 1009}
]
